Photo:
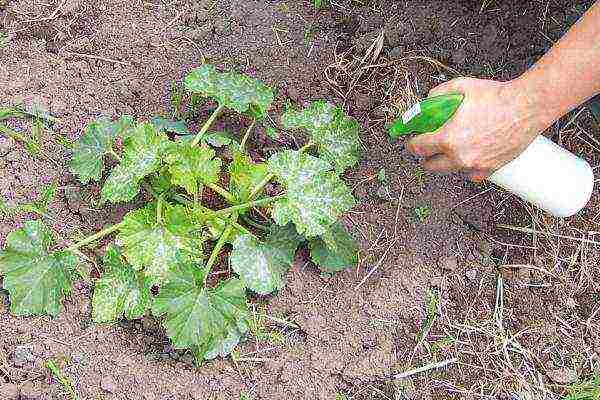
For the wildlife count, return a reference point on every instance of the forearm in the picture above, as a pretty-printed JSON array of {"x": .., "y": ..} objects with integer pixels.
[{"x": 567, "y": 75}]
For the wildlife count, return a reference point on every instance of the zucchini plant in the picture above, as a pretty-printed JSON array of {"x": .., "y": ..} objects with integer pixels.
[{"x": 162, "y": 259}]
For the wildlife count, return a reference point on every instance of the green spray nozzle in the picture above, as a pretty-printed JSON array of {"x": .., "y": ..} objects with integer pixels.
[{"x": 427, "y": 115}]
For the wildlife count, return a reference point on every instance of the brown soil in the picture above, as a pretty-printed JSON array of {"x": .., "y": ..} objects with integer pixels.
[{"x": 113, "y": 57}]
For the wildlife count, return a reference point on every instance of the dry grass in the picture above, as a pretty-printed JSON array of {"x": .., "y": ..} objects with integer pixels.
[{"x": 498, "y": 354}]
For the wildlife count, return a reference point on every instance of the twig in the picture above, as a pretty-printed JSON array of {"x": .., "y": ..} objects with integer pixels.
[
  {"x": 376, "y": 265},
  {"x": 536, "y": 232},
  {"x": 426, "y": 368}
]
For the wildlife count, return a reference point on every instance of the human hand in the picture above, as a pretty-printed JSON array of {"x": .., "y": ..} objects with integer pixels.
[{"x": 494, "y": 124}]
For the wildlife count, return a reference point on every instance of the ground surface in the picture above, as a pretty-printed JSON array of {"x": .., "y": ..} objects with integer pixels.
[{"x": 517, "y": 331}]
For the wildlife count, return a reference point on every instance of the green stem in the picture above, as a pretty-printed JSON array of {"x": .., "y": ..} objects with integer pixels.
[
  {"x": 159, "y": 209},
  {"x": 255, "y": 203},
  {"x": 247, "y": 135},
  {"x": 306, "y": 147},
  {"x": 222, "y": 240},
  {"x": 253, "y": 223},
  {"x": 261, "y": 185},
  {"x": 207, "y": 125},
  {"x": 115, "y": 155},
  {"x": 223, "y": 192},
  {"x": 97, "y": 236},
  {"x": 183, "y": 200}
]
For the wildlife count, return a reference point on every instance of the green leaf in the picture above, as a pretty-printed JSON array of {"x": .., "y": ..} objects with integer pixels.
[
  {"x": 244, "y": 175},
  {"x": 316, "y": 197},
  {"x": 35, "y": 278},
  {"x": 141, "y": 156},
  {"x": 335, "y": 134},
  {"x": 191, "y": 166},
  {"x": 155, "y": 247},
  {"x": 262, "y": 266},
  {"x": 87, "y": 161},
  {"x": 160, "y": 182},
  {"x": 272, "y": 132},
  {"x": 209, "y": 321},
  {"x": 336, "y": 251},
  {"x": 120, "y": 292},
  {"x": 167, "y": 125},
  {"x": 232, "y": 90}
]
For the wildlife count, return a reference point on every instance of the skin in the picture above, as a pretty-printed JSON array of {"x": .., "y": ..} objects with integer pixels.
[{"x": 498, "y": 120}]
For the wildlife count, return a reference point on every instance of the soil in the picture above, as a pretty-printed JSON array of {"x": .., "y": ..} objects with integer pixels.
[{"x": 113, "y": 57}]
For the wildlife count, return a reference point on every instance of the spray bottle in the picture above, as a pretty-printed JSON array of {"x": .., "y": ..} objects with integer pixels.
[{"x": 545, "y": 174}]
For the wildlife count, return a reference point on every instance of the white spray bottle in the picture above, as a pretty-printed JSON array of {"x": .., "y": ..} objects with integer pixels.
[{"x": 545, "y": 174}]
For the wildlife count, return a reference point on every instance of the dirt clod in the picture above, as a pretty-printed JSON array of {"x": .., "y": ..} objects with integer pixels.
[
  {"x": 30, "y": 392},
  {"x": 562, "y": 376},
  {"x": 108, "y": 384},
  {"x": 8, "y": 391},
  {"x": 22, "y": 356}
]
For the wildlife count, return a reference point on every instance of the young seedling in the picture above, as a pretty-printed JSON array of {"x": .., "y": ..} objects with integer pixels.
[
  {"x": 422, "y": 213},
  {"x": 165, "y": 253}
]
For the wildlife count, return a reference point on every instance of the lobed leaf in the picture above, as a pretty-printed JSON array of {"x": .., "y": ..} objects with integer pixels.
[
  {"x": 87, "y": 161},
  {"x": 244, "y": 175},
  {"x": 335, "y": 251},
  {"x": 141, "y": 156},
  {"x": 315, "y": 195},
  {"x": 232, "y": 90},
  {"x": 120, "y": 292},
  {"x": 35, "y": 278},
  {"x": 208, "y": 321},
  {"x": 191, "y": 166},
  {"x": 262, "y": 266},
  {"x": 155, "y": 247},
  {"x": 335, "y": 134}
]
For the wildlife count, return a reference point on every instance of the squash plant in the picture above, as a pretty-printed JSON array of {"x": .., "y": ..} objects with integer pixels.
[{"x": 163, "y": 253}]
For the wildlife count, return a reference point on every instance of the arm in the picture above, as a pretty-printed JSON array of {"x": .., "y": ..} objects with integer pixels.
[{"x": 498, "y": 120}]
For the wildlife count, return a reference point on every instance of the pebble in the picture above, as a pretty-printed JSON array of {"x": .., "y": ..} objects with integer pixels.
[
  {"x": 471, "y": 274},
  {"x": 562, "y": 376},
  {"x": 149, "y": 396},
  {"x": 108, "y": 384},
  {"x": 30, "y": 392},
  {"x": 8, "y": 391},
  {"x": 13, "y": 156},
  {"x": 449, "y": 263},
  {"x": 22, "y": 356}
]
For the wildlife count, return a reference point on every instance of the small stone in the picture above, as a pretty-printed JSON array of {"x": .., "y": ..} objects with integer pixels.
[
  {"x": 6, "y": 145},
  {"x": 562, "y": 376},
  {"x": 449, "y": 263},
  {"x": 80, "y": 358},
  {"x": 13, "y": 156},
  {"x": 22, "y": 356},
  {"x": 471, "y": 274},
  {"x": 364, "y": 102},
  {"x": 459, "y": 56},
  {"x": 108, "y": 384},
  {"x": 397, "y": 52},
  {"x": 8, "y": 391},
  {"x": 149, "y": 396},
  {"x": 30, "y": 392}
]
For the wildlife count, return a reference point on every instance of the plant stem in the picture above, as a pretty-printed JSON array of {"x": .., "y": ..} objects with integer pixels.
[
  {"x": 261, "y": 185},
  {"x": 207, "y": 125},
  {"x": 159, "y": 209},
  {"x": 115, "y": 155},
  {"x": 255, "y": 203},
  {"x": 97, "y": 236},
  {"x": 183, "y": 200},
  {"x": 253, "y": 223},
  {"x": 247, "y": 135},
  {"x": 215, "y": 253},
  {"x": 223, "y": 192},
  {"x": 306, "y": 147}
]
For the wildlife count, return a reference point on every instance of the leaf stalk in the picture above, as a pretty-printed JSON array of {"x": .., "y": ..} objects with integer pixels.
[
  {"x": 247, "y": 135},
  {"x": 255, "y": 203},
  {"x": 207, "y": 125},
  {"x": 96, "y": 236}
]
